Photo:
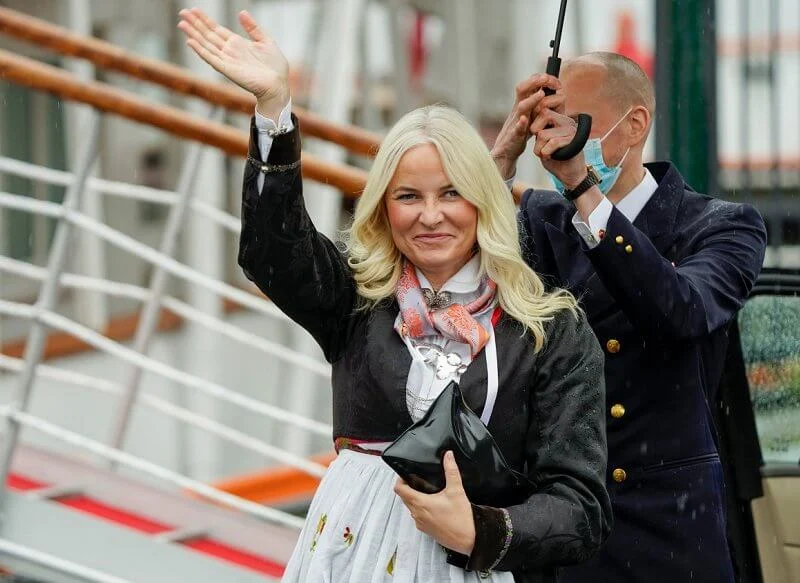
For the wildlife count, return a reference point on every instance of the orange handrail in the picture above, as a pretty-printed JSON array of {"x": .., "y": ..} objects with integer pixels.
[
  {"x": 40, "y": 76},
  {"x": 37, "y": 75},
  {"x": 107, "y": 56}
]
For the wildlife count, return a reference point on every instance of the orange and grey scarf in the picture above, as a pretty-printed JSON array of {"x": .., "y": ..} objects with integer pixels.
[{"x": 424, "y": 312}]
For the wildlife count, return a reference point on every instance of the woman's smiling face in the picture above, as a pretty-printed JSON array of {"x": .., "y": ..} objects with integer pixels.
[{"x": 432, "y": 225}]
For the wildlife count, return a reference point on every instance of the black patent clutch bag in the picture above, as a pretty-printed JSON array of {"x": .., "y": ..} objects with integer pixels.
[{"x": 449, "y": 424}]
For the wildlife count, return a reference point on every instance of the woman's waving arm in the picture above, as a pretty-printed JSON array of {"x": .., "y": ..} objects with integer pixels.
[{"x": 298, "y": 268}]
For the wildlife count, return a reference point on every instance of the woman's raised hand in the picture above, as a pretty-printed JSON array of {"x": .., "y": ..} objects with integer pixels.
[{"x": 257, "y": 64}]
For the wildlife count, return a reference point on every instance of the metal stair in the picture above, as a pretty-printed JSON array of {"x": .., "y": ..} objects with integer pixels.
[{"x": 124, "y": 530}]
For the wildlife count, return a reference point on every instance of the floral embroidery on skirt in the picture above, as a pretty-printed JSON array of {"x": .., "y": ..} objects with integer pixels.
[
  {"x": 320, "y": 528},
  {"x": 359, "y": 531}
]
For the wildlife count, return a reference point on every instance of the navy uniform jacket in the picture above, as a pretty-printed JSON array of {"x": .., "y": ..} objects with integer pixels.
[{"x": 659, "y": 294}]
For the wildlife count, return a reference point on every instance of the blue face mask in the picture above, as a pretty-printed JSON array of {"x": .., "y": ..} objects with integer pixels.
[{"x": 593, "y": 153}]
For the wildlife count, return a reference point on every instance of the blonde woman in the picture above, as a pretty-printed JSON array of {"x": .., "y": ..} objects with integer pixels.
[{"x": 432, "y": 288}]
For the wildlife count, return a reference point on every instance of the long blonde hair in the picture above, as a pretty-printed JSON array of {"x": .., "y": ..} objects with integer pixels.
[{"x": 376, "y": 261}]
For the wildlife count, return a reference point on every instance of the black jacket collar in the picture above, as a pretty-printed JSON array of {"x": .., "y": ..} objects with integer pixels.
[
  {"x": 657, "y": 220},
  {"x": 658, "y": 216}
]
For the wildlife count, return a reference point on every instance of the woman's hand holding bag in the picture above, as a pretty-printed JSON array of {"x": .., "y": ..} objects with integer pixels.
[{"x": 445, "y": 516}]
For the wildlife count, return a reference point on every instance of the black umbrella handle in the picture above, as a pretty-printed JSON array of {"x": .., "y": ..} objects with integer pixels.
[{"x": 575, "y": 147}]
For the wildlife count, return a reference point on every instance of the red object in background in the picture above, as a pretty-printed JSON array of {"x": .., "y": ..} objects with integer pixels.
[
  {"x": 627, "y": 44},
  {"x": 146, "y": 525},
  {"x": 416, "y": 47}
]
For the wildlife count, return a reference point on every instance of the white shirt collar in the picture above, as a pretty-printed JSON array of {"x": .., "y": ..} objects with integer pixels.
[
  {"x": 466, "y": 280},
  {"x": 633, "y": 202}
]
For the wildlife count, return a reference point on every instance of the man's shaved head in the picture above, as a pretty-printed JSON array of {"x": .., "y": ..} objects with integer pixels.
[
  {"x": 623, "y": 84},
  {"x": 616, "y": 92}
]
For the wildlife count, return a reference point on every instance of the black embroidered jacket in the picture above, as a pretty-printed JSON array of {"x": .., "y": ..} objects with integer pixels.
[{"x": 549, "y": 414}]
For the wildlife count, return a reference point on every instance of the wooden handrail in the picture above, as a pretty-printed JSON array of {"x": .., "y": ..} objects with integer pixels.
[
  {"x": 108, "y": 56},
  {"x": 37, "y": 75}
]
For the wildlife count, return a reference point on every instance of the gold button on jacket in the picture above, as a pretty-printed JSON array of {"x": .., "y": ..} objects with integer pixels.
[
  {"x": 619, "y": 239},
  {"x": 617, "y": 411},
  {"x": 620, "y": 475},
  {"x": 613, "y": 346}
]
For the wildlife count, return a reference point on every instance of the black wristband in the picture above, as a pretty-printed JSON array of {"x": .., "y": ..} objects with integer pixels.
[{"x": 591, "y": 180}]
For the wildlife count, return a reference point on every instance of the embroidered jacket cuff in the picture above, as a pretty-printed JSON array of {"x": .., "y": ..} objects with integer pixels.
[
  {"x": 493, "y": 534},
  {"x": 266, "y": 124},
  {"x": 283, "y": 155},
  {"x": 284, "y": 149},
  {"x": 268, "y": 128},
  {"x": 266, "y": 131}
]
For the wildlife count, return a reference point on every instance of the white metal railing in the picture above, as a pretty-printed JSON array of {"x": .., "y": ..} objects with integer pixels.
[
  {"x": 56, "y": 564},
  {"x": 182, "y": 309},
  {"x": 119, "y": 189},
  {"x": 104, "y": 344},
  {"x": 44, "y": 317},
  {"x": 222, "y": 431},
  {"x": 140, "y": 250},
  {"x": 144, "y": 466}
]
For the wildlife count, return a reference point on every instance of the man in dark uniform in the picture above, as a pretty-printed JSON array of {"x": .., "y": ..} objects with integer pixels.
[{"x": 660, "y": 271}]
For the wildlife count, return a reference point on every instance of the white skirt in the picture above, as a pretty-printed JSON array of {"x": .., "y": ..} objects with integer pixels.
[{"x": 359, "y": 531}]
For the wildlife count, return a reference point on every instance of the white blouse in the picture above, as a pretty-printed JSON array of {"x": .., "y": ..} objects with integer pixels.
[{"x": 436, "y": 360}]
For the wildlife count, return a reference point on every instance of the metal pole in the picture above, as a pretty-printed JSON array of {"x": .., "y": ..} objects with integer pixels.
[
  {"x": 332, "y": 99},
  {"x": 580, "y": 38},
  {"x": 686, "y": 90},
  {"x": 199, "y": 454},
  {"x": 746, "y": 171},
  {"x": 404, "y": 101},
  {"x": 529, "y": 35},
  {"x": 562, "y": 13},
  {"x": 57, "y": 564},
  {"x": 663, "y": 81},
  {"x": 774, "y": 132},
  {"x": 709, "y": 33},
  {"x": 150, "y": 312},
  {"x": 311, "y": 55},
  {"x": 370, "y": 118},
  {"x": 34, "y": 347},
  {"x": 91, "y": 308},
  {"x": 461, "y": 15}
]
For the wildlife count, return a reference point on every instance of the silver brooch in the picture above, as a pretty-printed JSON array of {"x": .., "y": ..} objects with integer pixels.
[
  {"x": 445, "y": 364},
  {"x": 279, "y": 130},
  {"x": 436, "y": 300}
]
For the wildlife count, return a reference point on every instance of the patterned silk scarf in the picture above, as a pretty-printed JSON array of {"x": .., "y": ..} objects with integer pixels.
[{"x": 419, "y": 318}]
